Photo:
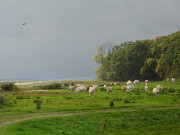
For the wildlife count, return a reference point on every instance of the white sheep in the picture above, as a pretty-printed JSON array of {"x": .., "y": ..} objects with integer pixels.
[
  {"x": 91, "y": 91},
  {"x": 70, "y": 87},
  {"x": 146, "y": 87},
  {"x": 146, "y": 81},
  {"x": 124, "y": 88},
  {"x": 156, "y": 92},
  {"x": 173, "y": 79},
  {"x": 81, "y": 88},
  {"x": 159, "y": 88},
  {"x": 105, "y": 86},
  {"x": 136, "y": 82},
  {"x": 129, "y": 82},
  {"x": 109, "y": 89},
  {"x": 167, "y": 79},
  {"x": 130, "y": 88}
]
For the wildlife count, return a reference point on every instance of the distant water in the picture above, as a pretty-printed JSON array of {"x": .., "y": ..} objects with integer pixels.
[{"x": 46, "y": 79}]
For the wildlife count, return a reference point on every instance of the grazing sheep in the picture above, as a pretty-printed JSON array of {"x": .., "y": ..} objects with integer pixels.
[
  {"x": 70, "y": 88},
  {"x": 118, "y": 83},
  {"x": 109, "y": 89},
  {"x": 167, "y": 79},
  {"x": 105, "y": 86},
  {"x": 81, "y": 88},
  {"x": 91, "y": 91},
  {"x": 129, "y": 82},
  {"x": 124, "y": 88},
  {"x": 112, "y": 84},
  {"x": 146, "y": 87},
  {"x": 146, "y": 81},
  {"x": 159, "y": 88},
  {"x": 74, "y": 87},
  {"x": 88, "y": 87},
  {"x": 155, "y": 92},
  {"x": 129, "y": 88},
  {"x": 173, "y": 79},
  {"x": 136, "y": 82}
]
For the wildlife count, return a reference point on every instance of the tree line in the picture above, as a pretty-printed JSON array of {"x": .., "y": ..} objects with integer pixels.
[{"x": 152, "y": 59}]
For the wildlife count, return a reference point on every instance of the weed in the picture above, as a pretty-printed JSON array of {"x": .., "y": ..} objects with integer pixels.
[
  {"x": 38, "y": 104},
  {"x": 23, "y": 97},
  {"x": 102, "y": 89},
  {"x": 68, "y": 97},
  {"x": 127, "y": 101},
  {"x": 171, "y": 90},
  {"x": 2, "y": 98}
]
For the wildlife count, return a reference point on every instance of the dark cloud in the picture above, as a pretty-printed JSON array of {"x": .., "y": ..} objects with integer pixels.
[{"x": 61, "y": 37}]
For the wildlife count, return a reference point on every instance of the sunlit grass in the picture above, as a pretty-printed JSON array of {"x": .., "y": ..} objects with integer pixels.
[
  {"x": 151, "y": 122},
  {"x": 19, "y": 103}
]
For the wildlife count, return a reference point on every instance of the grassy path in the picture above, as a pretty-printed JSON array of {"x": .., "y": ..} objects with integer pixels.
[{"x": 35, "y": 116}]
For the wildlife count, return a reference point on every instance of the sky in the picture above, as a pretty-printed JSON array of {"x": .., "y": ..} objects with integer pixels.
[{"x": 61, "y": 37}]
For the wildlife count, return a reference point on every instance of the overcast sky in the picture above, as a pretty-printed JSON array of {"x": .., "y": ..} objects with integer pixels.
[{"x": 61, "y": 36}]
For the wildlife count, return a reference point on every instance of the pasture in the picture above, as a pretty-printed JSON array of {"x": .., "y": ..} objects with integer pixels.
[{"x": 21, "y": 104}]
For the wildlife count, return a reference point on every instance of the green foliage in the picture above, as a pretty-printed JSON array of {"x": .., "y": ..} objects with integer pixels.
[
  {"x": 51, "y": 86},
  {"x": 2, "y": 98},
  {"x": 23, "y": 97},
  {"x": 38, "y": 103},
  {"x": 8, "y": 87},
  {"x": 102, "y": 89},
  {"x": 146, "y": 59}
]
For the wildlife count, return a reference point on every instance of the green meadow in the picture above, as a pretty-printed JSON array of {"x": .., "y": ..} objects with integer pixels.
[{"x": 156, "y": 115}]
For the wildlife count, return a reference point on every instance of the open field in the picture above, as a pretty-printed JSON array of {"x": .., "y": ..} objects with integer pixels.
[
  {"x": 164, "y": 121},
  {"x": 20, "y": 104}
]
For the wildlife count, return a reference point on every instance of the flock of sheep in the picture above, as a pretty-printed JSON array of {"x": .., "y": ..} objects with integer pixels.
[{"x": 125, "y": 88}]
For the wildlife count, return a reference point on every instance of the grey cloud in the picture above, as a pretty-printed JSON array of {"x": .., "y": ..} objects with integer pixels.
[{"x": 61, "y": 36}]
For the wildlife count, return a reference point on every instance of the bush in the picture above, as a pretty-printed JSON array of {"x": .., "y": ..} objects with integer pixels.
[
  {"x": 23, "y": 97},
  {"x": 171, "y": 90},
  {"x": 2, "y": 99},
  {"x": 127, "y": 101},
  {"x": 66, "y": 84},
  {"x": 38, "y": 103},
  {"x": 8, "y": 87},
  {"x": 51, "y": 86}
]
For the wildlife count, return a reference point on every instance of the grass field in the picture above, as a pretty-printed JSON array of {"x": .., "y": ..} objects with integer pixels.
[
  {"x": 122, "y": 122},
  {"x": 20, "y": 104}
]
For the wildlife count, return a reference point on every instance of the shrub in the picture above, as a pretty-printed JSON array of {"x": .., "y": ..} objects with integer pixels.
[
  {"x": 8, "y": 87},
  {"x": 2, "y": 99},
  {"x": 23, "y": 97},
  {"x": 38, "y": 103},
  {"x": 68, "y": 97},
  {"x": 66, "y": 84},
  {"x": 117, "y": 99},
  {"x": 171, "y": 90},
  {"x": 51, "y": 86},
  {"x": 127, "y": 101}
]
